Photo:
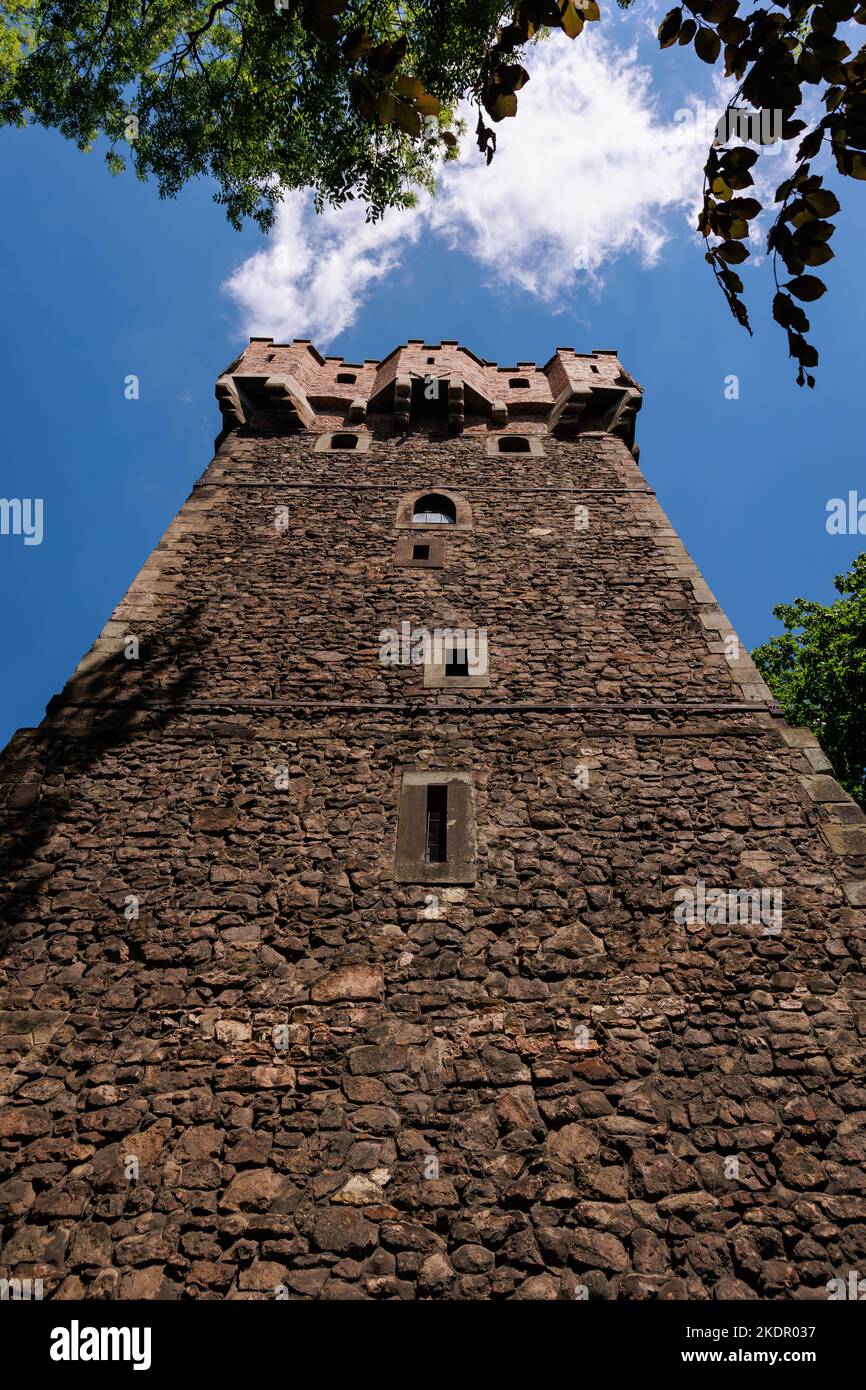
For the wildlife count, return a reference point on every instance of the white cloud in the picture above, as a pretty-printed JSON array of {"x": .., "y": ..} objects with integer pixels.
[
  {"x": 311, "y": 278},
  {"x": 586, "y": 173}
]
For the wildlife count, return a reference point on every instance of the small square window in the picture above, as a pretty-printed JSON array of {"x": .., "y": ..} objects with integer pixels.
[
  {"x": 346, "y": 378},
  {"x": 519, "y": 383},
  {"x": 343, "y": 442},
  {"x": 428, "y": 554},
  {"x": 513, "y": 444},
  {"x": 457, "y": 659}
]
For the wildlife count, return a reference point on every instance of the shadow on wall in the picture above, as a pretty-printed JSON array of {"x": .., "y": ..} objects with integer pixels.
[{"x": 64, "y": 748}]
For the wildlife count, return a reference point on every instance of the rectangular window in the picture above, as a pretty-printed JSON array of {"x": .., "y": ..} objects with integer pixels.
[
  {"x": 436, "y": 828},
  {"x": 457, "y": 659},
  {"x": 457, "y": 662},
  {"x": 426, "y": 552},
  {"x": 437, "y": 825}
]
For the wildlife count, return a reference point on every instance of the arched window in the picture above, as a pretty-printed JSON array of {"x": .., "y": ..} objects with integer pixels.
[
  {"x": 513, "y": 444},
  {"x": 344, "y": 441},
  {"x": 434, "y": 510},
  {"x": 439, "y": 509}
]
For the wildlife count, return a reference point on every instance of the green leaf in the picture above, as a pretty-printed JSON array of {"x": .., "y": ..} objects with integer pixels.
[
  {"x": 739, "y": 178},
  {"x": 708, "y": 45},
  {"x": 407, "y": 118},
  {"x": 806, "y": 287},
  {"x": 731, "y": 279},
  {"x": 733, "y": 31},
  {"x": 734, "y": 252},
  {"x": 717, "y": 11},
  {"x": 386, "y": 107},
  {"x": 504, "y": 105},
  {"x": 811, "y": 144},
  {"x": 670, "y": 27},
  {"x": 409, "y": 87},
  {"x": 571, "y": 22},
  {"x": 818, "y": 254},
  {"x": 823, "y": 202},
  {"x": 744, "y": 207},
  {"x": 781, "y": 308},
  {"x": 739, "y": 158}
]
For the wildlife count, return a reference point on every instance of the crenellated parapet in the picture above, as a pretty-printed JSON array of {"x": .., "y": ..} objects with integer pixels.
[{"x": 291, "y": 386}]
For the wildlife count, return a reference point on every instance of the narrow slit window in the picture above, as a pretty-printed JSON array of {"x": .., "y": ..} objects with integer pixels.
[
  {"x": 435, "y": 828},
  {"x": 437, "y": 825},
  {"x": 420, "y": 552}
]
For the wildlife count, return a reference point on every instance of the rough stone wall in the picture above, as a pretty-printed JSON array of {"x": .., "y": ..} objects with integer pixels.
[{"x": 576, "y": 1065}]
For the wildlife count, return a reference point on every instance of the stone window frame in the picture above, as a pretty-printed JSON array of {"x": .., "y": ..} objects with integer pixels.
[
  {"x": 492, "y": 449},
  {"x": 406, "y": 508},
  {"x": 410, "y": 861},
  {"x": 438, "y": 548},
  {"x": 323, "y": 443},
  {"x": 435, "y": 677}
]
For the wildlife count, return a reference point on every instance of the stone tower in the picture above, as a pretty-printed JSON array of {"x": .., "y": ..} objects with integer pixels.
[{"x": 345, "y": 958}]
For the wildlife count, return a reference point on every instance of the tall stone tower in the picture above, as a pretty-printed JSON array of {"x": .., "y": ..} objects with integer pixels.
[{"x": 416, "y": 892}]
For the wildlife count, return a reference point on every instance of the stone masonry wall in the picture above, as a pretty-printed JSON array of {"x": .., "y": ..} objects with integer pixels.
[{"x": 336, "y": 1086}]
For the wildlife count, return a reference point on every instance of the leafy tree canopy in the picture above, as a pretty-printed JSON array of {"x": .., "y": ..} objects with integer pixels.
[
  {"x": 816, "y": 669},
  {"x": 353, "y": 98},
  {"x": 358, "y": 98}
]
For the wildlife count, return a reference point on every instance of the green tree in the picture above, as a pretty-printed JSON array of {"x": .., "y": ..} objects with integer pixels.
[
  {"x": 357, "y": 98},
  {"x": 353, "y": 98},
  {"x": 816, "y": 669}
]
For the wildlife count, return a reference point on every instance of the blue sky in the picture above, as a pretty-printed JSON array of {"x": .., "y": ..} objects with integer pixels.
[{"x": 102, "y": 279}]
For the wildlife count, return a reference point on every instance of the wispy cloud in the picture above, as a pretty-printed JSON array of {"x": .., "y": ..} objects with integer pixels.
[{"x": 587, "y": 173}]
